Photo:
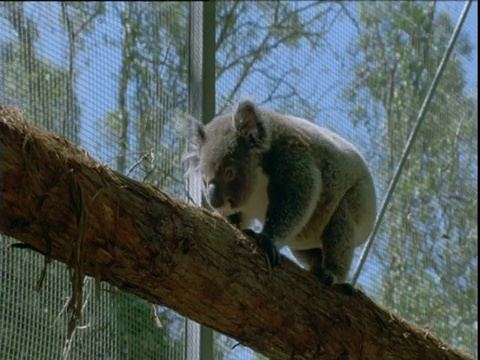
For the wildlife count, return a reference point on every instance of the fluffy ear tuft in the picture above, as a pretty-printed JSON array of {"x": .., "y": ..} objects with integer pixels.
[
  {"x": 194, "y": 133},
  {"x": 194, "y": 130},
  {"x": 245, "y": 118},
  {"x": 247, "y": 122}
]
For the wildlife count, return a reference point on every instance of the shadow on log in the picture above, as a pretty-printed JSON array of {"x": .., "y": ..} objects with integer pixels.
[{"x": 58, "y": 200}]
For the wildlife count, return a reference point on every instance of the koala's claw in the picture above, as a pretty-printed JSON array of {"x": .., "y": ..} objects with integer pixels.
[
  {"x": 272, "y": 253},
  {"x": 267, "y": 245},
  {"x": 325, "y": 276},
  {"x": 329, "y": 279}
]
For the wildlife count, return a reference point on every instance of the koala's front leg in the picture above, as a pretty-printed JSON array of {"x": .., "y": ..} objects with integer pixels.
[
  {"x": 235, "y": 220},
  {"x": 293, "y": 193},
  {"x": 261, "y": 240},
  {"x": 265, "y": 243}
]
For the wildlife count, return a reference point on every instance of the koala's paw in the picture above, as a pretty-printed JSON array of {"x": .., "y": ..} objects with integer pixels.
[
  {"x": 267, "y": 245},
  {"x": 325, "y": 276},
  {"x": 328, "y": 278},
  {"x": 345, "y": 288}
]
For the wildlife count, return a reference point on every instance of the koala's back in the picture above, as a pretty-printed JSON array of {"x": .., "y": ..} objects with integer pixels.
[
  {"x": 340, "y": 162},
  {"x": 344, "y": 174}
]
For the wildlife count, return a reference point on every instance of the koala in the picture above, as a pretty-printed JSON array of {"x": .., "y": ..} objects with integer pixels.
[{"x": 309, "y": 188}]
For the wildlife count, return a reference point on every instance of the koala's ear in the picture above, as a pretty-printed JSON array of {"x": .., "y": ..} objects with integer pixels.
[
  {"x": 194, "y": 131},
  {"x": 247, "y": 122}
]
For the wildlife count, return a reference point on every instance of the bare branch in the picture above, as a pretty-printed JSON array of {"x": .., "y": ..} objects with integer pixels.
[{"x": 136, "y": 237}]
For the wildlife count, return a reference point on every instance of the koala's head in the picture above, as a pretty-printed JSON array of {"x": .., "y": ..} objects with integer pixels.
[{"x": 226, "y": 154}]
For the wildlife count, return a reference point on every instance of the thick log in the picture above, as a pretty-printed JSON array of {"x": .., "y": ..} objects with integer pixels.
[{"x": 57, "y": 199}]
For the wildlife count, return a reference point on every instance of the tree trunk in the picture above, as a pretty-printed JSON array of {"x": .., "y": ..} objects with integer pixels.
[{"x": 60, "y": 201}]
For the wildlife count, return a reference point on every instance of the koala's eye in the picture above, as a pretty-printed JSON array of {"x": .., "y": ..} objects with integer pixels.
[{"x": 229, "y": 173}]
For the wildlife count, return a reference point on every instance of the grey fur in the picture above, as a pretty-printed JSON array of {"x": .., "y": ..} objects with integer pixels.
[{"x": 312, "y": 190}]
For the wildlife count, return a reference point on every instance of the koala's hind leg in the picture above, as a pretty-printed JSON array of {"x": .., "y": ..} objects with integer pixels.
[
  {"x": 312, "y": 259},
  {"x": 338, "y": 241}
]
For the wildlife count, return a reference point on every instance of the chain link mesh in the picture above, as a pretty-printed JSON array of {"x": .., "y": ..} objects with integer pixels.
[{"x": 113, "y": 78}]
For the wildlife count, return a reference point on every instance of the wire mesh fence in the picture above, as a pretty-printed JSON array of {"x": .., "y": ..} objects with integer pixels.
[{"x": 113, "y": 77}]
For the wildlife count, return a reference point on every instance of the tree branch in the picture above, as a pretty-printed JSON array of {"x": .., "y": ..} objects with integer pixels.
[{"x": 55, "y": 196}]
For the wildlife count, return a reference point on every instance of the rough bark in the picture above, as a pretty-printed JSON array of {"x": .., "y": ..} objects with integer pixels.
[{"x": 56, "y": 198}]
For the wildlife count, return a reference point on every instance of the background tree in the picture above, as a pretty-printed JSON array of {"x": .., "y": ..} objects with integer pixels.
[
  {"x": 428, "y": 242},
  {"x": 25, "y": 77}
]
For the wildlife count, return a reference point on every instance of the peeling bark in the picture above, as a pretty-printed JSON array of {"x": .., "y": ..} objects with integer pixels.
[{"x": 60, "y": 201}]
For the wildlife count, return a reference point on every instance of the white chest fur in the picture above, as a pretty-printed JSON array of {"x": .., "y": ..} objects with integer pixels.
[{"x": 255, "y": 208}]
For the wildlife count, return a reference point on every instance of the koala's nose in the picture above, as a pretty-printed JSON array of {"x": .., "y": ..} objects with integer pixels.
[{"x": 214, "y": 196}]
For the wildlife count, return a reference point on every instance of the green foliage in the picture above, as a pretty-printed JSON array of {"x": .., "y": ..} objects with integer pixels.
[
  {"x": 137, "y": 332},
  {"x": 429, "y": 253},
  {"x": 37, "y": 87}
]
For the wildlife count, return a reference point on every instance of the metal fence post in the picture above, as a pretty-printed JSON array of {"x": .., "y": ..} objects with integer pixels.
[{"x": 201, "y": 104}]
